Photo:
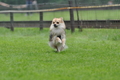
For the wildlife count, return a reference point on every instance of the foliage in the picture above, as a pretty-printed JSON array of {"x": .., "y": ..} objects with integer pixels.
[{"x": 92, "y": 55}]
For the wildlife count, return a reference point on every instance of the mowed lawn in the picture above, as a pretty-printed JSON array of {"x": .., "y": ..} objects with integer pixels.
[
  {"x": 93, "y": 54},
  {"x": 83, "y": 15}
]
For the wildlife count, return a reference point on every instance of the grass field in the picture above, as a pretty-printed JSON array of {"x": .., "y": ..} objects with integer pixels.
[
  {"x": 93, "y": 54},
  {"x": 84, "y": 15}
]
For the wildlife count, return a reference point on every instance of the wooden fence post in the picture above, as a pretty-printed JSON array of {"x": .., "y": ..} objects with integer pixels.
[
  {"x": 11, "y": 21},
  {"x": 71, "y": 17},
  {"x": 78, "y": 20},
  {"x": 41, "y": 20}
]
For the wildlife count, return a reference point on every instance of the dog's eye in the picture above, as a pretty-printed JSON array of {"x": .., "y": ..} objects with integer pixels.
[
  {"x": 53, "y": 22},
  {"x": 57, "y": 22}
]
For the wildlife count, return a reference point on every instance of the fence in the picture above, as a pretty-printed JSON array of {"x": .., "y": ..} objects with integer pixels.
[{"x": 79, "y": 16}]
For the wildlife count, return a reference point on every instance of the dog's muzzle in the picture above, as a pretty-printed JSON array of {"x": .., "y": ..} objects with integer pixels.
[{"x": 55, "y": 25}]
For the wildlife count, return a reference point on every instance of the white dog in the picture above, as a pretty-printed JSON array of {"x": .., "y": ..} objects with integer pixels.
[{"x": 57, "y": 36}]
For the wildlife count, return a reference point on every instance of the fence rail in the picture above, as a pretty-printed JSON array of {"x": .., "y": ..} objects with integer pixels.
[
  {"x": 56, "y": 9},
  {"x": 70, "y": 24},
  {"x": 83, "y": 24}
]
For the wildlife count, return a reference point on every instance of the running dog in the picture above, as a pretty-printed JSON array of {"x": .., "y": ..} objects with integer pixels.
[{"x": 57, "y": 38}]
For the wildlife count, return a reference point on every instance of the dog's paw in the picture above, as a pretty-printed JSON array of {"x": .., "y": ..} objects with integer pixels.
[{"x": 59, "y": 40}]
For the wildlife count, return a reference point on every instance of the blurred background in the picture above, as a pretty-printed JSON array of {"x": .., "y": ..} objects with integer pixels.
[
  {"x": 99, "y": 13},
  {"x": 46, "y": 4}
]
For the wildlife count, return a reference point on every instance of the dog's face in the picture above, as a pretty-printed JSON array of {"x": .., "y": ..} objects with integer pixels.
[{"x": 57, "y": 23}]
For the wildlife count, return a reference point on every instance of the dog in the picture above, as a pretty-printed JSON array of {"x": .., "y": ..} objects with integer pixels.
[{"x": 57, "y": 38}]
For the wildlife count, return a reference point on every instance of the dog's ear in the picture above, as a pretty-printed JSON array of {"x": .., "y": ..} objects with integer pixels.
[
  {"x": 61, "y": 19},
  {"x": 54, "y": 19}
]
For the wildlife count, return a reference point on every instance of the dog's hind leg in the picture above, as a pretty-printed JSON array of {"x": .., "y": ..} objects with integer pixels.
[
  {"x": 57, "y": 48},
  {"x": 60, "y": 47}
]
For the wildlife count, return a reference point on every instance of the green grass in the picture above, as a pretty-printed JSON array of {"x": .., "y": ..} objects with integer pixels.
[
  {"x": 84, "y": 15},
  {"x": 93, "y": 54}
]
